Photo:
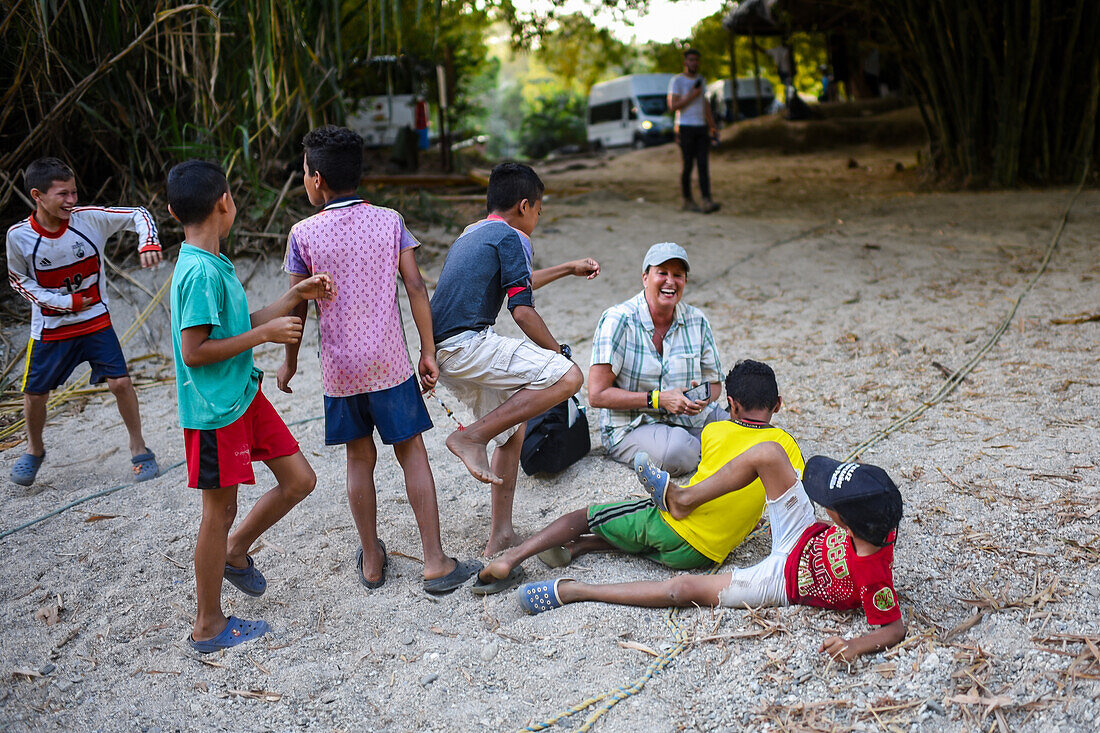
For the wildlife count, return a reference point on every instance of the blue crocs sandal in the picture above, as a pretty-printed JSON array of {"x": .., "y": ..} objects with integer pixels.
[
  {"x": 653, "y": 479},
  {"x": 372, "y": 584},
  {"x": 540, "y": 596},
  {"x": 237, "y": 631},
  {"x": 145, "y": 467},
  {"x": 249, "y": 581},
  {"x": 25, "y": 468}
]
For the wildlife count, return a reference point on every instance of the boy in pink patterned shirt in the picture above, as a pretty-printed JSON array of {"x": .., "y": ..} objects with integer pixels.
[{"x": 367, "y": 378}]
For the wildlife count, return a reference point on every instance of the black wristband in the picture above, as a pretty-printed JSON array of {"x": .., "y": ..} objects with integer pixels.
[{"x": 566, "y": 351}]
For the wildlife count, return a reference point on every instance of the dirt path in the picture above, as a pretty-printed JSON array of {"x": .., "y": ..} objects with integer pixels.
[{"x": 860, "y": 292}]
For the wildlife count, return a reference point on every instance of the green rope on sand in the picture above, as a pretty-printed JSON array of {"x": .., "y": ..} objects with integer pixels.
[{"x": 106, "y": 492}]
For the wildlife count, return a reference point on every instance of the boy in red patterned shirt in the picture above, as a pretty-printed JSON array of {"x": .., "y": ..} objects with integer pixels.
[
  {"x": 844, "y": 565},
  {"x": 56, "y": 261}
]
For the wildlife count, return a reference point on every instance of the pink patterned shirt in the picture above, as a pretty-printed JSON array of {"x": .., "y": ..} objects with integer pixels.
[{"x": 362, "y": 339}]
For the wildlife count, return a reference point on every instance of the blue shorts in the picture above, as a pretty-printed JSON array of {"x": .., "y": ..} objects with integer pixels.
[
  {"x": 398, "y": 413},
  {"x": 49, "y": 363}
]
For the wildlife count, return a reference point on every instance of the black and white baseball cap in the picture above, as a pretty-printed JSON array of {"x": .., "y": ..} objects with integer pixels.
[
  {"x": 864, "y": 496},
  {"x": 829, "y": 482}
]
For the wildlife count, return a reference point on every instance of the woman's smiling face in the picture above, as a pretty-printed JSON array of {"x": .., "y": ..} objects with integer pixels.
[{"x": 664, "y": 284}]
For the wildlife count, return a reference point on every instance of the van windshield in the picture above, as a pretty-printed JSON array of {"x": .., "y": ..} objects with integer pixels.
[{"x": 653, "y": 105}]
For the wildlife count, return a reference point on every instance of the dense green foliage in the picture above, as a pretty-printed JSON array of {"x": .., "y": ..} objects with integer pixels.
[
  {"x": 1009, "y": 88},
  {"x": 580, "y": 54},
  {"x": 124, "y": 89},
  {"x": 553, "y": 121},
  {"x": 421, "y": 35},
  {"x": 713, "y": 42}
]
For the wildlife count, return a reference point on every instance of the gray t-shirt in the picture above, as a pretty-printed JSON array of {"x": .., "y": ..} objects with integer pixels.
[
  {"x": 491, "y": 261},
  {"x": 692, "y": 114}
]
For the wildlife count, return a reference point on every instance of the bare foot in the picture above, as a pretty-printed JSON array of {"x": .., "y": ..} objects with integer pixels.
[
  {"x": 236, "y": 558},
  {"x": 496, "y": 570},
  {"x": 499, "y": 543},
  {"x": 473, "y": 456},
  {"x": 206, "y": 631},
  {"x": 449, "y": 564},
  {"x": 373, "y": 563}
]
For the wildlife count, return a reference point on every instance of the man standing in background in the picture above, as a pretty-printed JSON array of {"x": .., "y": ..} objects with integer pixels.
[{"x": 695, "y": 128}]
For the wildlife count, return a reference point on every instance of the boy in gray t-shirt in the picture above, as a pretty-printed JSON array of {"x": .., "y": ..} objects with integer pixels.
[
  {"x": 504, "y": 381},
  {"x": 694, "y": 129}
]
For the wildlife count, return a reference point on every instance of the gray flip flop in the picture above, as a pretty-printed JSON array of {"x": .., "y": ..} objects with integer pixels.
[
  {"x": 556, "y": 557},
  {"x": 480, "y": 588},
  {"x": 463, "y": 571}
]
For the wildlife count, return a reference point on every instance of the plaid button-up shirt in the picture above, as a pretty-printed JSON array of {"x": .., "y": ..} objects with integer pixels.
[{"x": 624, "y": 340}]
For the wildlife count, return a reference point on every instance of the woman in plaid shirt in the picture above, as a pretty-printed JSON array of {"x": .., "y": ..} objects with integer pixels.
[{"x": 646, "y": 353}]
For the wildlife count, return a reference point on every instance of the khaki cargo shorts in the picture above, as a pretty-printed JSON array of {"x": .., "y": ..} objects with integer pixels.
[{"x": 483, "y": 369}]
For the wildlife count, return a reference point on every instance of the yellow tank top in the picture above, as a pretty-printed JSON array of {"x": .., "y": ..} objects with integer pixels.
[{"x": 722, "y": 524}]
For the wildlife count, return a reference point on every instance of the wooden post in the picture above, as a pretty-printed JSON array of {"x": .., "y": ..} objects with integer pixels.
[
  {"x": 756, "y": 77},
  {"x": 733, "y": 74},
  {"x": 789, "y": 44},
  {"x": 444, "y": 141},
  {"x": 791, "y": 88}
]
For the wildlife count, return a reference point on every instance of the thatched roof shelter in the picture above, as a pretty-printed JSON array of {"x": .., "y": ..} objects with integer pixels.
[{"x": 782, "y": 17}]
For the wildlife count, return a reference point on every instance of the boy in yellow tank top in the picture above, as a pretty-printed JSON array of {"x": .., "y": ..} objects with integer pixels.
[{"x": 705, "y": 536}]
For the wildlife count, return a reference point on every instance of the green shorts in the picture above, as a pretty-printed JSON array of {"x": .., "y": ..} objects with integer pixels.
[{"x": 636, "y": 527}]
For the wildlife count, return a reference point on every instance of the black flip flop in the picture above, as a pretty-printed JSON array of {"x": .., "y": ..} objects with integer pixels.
[
  {"x": 447, "y": 583},
  {"x": 372, "y": 584},
  {"x": 481, "y": 588}
]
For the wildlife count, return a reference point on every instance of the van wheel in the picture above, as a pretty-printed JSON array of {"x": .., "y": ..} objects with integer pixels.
[
  {"x": 638, "y": 143},
  {"x": 597, "y": 147}
]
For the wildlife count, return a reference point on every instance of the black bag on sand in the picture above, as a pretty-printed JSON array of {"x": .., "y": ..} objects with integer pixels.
[{"x": 553, "y": 444}]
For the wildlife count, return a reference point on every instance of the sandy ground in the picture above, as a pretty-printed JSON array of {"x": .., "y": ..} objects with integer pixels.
[{"x": 859, "y": 291}]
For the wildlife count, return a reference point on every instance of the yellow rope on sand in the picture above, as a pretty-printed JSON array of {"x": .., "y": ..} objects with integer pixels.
[
  {"x": 614, "y": 697},
  {"x": 61, "y": 396}
]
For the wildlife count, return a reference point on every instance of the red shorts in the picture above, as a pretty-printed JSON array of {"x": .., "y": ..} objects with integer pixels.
[{"x": 223, "y": 457}]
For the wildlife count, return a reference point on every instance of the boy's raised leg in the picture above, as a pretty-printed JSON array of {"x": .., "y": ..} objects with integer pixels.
[
  {"x": 683, "y": 590},
  {"x": 296, "y": 480},
  {"x": 363, "y": 503},
  {"x": 470, "y": 444},
  {"x": 219, "y": 509},
  {"x": 420, "y": 488},
  {"x": 766, "y": 461}
]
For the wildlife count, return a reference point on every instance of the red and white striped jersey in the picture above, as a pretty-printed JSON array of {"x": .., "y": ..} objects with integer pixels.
[{"x": 61, "y": 273}]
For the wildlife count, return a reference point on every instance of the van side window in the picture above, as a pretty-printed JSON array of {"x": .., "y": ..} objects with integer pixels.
[
  {"x": 632, "y": 114},
  {"x": 608, "y": 112}
]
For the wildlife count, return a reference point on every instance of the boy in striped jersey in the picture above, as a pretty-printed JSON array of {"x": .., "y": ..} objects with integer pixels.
[{"x": 55, "y": 260}]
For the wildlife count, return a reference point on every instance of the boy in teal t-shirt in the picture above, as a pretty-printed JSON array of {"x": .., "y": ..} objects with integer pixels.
[{"x": 227, "y": 422}]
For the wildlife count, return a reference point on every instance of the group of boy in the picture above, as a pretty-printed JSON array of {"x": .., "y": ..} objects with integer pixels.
[{"x": 347, "y": 258}]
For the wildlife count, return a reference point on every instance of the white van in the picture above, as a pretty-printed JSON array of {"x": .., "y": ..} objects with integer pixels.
[
  {"x": 630, "y": 110},
  {"x": 720, "y": 95},
  {"x": 377, "y": 119}
]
